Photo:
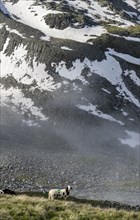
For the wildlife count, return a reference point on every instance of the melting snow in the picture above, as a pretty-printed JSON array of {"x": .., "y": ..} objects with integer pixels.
[
  {"x": 132, "y": 39},
  {"x": 133, "y": 139},
  {"x": 66, "y": 48},
  {"x": 1, "y": 25},
  {"x": 126, "y": 57},
  {"x": 133, "y": 76},
  {"x": 17, "y": 67},
  {"x": 15, "y": 97},
  {"x": 106, "y": 90},
  {"x": 30, "y": 123},
  {"x": 131, "y": 13},
  {"x": 97, "y": 12},
  {"x": 23, "y": 10},
  {"x": 3, "y": 8},
  {"x": 108, "y": 68},
  {"x": 93, "y": 110},
  {"x": 14, "y": 31},
  {"x": 73, "y": 73},
  {"x": 137, "y": 39},
  {"x": 26, "y": 11},
  {"x": 130, "y": 2},
  {"x": 124, "y": 113},
  {"x": 46, "y": 38}
]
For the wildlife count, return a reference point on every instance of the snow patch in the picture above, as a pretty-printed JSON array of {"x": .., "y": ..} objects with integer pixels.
[
  {"x": 4, "y": 9},
  {"x": 132, "y": 39},
  {"x": 22, "y": 9},
  {"x": 45, "y": 38},
  {"x": 130, "y": 2},
  {"x": 108, "y": 68},
  {"x": 124, "y": 113},
  {"x": 16, "y": 98},
  {"x": 72, "y": 73},
  {"x": 66, "y": 48},
  {"x": 133, "y": 76},
  {"x": 97, "y": 12},
  {"x": 14, "y": 31},
  {"x": 105, "y": 90},
  {"x": 133, "y": 139},
  {"x": 2, "y": 25},
  {"x": 126, "y": 57},
  {"x": 94, "y": 111},
  {"x": 136, "y": 39},
  {"x": 17, "y": 67}
]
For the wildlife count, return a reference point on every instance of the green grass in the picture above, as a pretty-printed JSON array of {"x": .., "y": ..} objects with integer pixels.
[
  {"x": 23, "y": 207},
  {"x": 133, "y": 31}
]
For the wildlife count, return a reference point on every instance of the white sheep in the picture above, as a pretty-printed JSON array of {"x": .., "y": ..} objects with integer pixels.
[{"x": 59, "y": 193}]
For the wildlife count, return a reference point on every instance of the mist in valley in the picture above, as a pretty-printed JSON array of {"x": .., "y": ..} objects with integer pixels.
[{"x": 66, "y": 149}]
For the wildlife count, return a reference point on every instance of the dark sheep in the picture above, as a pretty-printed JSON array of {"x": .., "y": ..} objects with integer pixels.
[{"x": 8, "y": 191}]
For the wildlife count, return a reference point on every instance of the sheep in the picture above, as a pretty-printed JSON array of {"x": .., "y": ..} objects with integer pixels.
[
  {"x": 8, "y": 191},
  {"x": 59, "y": 193},
  {"x": 1, "y": 192}
]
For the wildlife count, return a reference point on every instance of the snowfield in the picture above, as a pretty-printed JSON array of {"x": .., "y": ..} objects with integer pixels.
[
  {"x": 19, "y": 68},
  {"x": 94, "y": 110},
  {"x": 15, "y": 97},
  {"x": 33, "y": 16},
  {"x": 3, "y": 8},
  {"x": 108, "y": 68},
  {"x": 136, "y": 39},
  {"x": 133, "y": 139},
  {"x": 131, "y": 2},
  {"x": 126, "y": 57}
]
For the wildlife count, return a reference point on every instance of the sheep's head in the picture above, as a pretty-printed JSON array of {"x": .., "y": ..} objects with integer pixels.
[
  {"x": 1, "y": 192},
  {"x": 69, "y": 188}
]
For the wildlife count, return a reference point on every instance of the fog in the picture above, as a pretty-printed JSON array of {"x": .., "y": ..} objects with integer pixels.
[{"x": 87, "y": 155}]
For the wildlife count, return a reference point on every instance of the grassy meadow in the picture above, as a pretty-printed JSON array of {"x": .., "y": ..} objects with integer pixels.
[{"x": 24, "y": 207}]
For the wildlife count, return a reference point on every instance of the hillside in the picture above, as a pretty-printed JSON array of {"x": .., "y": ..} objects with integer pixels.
[
  {"x": 70, "y": 92},
  {"x": 25, "y": 207}
]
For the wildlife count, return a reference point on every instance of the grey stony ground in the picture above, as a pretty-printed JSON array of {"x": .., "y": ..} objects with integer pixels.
[
  {"x": 36, "y": 159},
  {"x": 37, "y": 170}
]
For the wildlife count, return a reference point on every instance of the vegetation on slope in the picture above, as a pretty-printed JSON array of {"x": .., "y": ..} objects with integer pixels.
[
  {"x": 132, "y": 31},
  {"x": 23, "y": 207}
]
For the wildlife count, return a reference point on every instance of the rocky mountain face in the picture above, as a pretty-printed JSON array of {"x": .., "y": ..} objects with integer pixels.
[{"x": 69, "y": 85}]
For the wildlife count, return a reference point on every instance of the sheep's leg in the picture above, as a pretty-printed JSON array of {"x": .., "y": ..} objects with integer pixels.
[{"x": 49, "y": 197}]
